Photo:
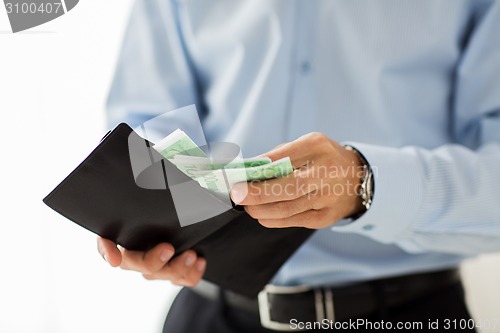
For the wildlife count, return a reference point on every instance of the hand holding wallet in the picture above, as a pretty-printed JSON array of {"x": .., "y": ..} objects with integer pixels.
[{"x": 102, "y": 195}]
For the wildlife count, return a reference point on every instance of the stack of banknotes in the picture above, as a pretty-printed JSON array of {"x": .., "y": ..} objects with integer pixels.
[{"x": 218, "y": 174}]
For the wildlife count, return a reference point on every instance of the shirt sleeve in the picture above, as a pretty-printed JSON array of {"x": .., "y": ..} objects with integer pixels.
[
  {"x": 446, "y": 199},
  {"x": 153, "y": 73}
]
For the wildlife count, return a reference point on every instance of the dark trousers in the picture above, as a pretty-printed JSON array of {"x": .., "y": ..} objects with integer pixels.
[{"x": 192, "y": 313}]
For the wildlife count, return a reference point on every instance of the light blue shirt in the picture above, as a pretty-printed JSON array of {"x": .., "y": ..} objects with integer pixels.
[{"x": 412, "y": 84}]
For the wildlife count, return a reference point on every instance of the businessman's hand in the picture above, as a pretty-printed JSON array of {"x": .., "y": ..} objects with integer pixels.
[
  {"x": 157, "y": 263},
  {"x": 322, "y": 190}
]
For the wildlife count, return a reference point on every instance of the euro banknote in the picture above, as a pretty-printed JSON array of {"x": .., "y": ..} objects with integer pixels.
[
  {"x": 178, "y": 143},
  {"x": 218, "y": 175},
  {"x": 207, "y": 163},
  {"x": 226, "y": 178}
]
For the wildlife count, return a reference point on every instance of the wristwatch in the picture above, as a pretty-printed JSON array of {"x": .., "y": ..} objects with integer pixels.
[{"x": 367, "y": 187}]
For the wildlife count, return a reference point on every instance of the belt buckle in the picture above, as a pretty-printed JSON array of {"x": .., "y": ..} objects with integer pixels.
[{"x": 323, "y": 301}]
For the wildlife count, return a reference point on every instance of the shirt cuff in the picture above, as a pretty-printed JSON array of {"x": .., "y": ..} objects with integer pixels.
[{"x": 398, "y": 193}]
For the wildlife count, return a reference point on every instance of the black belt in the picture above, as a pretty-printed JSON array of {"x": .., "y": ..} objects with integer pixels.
[{"x": 277, "y": 305}]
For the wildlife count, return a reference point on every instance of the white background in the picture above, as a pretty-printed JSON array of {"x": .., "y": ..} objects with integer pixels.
[{"x": 53, "y": 84}]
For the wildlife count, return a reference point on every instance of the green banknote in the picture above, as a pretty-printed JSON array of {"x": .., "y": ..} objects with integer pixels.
[
  {"x": 218, "y": 175},
  {"x": 206, "y": 163},
  {"x": 226, "y": 178},
  {"x": 178, "y": 143},
  {"x": 276, "y": 169}
]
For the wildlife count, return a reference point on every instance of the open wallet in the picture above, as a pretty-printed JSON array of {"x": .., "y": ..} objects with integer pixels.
[{"x": 105, "y": 195}]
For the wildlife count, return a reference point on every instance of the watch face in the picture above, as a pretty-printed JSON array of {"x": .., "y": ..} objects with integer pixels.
[{"x": 368, "y": 190}]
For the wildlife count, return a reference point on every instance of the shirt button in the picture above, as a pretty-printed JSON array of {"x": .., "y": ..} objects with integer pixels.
[
  {"x": 368, "y": 227},
  {"x": 305, "y": 67}
]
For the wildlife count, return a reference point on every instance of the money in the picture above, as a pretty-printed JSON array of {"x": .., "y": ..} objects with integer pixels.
[
  {"x": 206, "y": 163},
  {"x": 226, "y": 178},
  {"x": 218, "y": 175},
  {"x": 178, "y": 143},
  {"x": 272, "y": 170},
  {"x": 276, "y": 169}
]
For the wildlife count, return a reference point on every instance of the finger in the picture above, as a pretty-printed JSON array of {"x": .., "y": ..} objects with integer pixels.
[
  {"x": 147, "y": 262},
  {"x": 290, "y": 187},
  {"x": 109, "y": 251},
  {"x": 283, "y": 209},
  {"x": 300, "y": 151},
  {"x": 191, "y": 278},
  {"x": 300, "y": 220},
  {"x": 178, "y": 268},
  {"x": 156, "y": 258},
  {"x": 196, "y": 273},
  {"x": 278, "y": 146}
]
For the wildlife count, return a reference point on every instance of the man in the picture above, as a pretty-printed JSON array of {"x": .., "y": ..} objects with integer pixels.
[{"x": 413, "y": 86}]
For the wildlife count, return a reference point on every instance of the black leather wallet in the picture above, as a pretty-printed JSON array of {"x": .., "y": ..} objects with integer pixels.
[{"x": 102, "y": 195}]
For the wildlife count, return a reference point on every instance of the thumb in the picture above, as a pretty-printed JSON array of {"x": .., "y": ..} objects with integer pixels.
[{"x": 109, "y": 251}]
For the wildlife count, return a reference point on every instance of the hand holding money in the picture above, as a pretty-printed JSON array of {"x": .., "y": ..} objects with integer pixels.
[{"x": 321, "y": 191}]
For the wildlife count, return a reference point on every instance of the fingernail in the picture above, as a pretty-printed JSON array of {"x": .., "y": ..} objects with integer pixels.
[
  {"x": 200, "y": 266},
  {"x": 165, "y": 255},
  {"x": 106, "y": 258},
  {"x": 190, "y": 259}
]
